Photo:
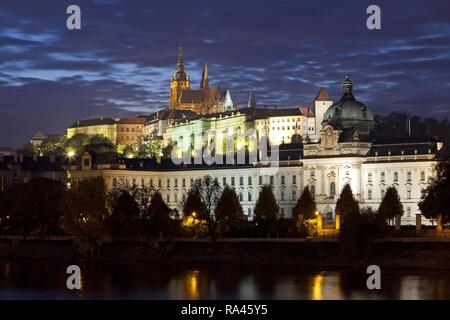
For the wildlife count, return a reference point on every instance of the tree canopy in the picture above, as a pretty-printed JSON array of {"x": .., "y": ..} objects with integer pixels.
[
  {"x": 306, "y": 205},
  {"x": 390, "y": 206}
]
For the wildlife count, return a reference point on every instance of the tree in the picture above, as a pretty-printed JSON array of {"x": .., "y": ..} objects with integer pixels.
[
  {"x": 201, "y": 202},
  {"x": 33, "y": 207},
  {"x": 390, "y": 206},
  {"x": 306, "y": 205},
  {"x": 161, "y": 223},
  {"x": 147, "y": 148},
  {"x": 84, "y": 214},
  {"x": 228, "y": 213},
  {"x": 125, "y": 214},
  {"x": 436, "y": 199},
  {"x": 346, "y": 204},
  {"x": 266, "y": 210}
]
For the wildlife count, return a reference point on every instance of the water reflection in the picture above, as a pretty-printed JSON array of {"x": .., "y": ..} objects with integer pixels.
[{"x": 47, "y": 280}]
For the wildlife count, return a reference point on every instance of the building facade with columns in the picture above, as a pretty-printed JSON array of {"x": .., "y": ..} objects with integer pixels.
[{"x": 346, "y": 152}]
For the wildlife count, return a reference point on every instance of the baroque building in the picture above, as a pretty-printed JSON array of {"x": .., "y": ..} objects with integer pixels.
[{"x": 343, "y": 152}]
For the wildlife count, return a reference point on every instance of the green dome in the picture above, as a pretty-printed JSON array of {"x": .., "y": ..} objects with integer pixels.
[{"x": 349, "y": 113}]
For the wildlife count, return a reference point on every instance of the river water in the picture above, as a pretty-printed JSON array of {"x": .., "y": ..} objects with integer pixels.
[{"x": 31, "y": 279}]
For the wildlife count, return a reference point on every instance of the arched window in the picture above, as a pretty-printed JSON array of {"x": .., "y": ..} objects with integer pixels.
[{"x": 332, "y": 188}]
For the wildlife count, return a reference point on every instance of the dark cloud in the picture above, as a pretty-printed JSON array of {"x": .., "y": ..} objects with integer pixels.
[{"x": 122, "y": 59}]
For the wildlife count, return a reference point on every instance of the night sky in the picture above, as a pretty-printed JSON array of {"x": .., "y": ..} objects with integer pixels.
[{"x": 121, "y": 61}]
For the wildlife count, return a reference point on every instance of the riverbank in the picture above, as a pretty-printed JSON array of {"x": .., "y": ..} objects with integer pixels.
[{"x": 391, "y": 253}]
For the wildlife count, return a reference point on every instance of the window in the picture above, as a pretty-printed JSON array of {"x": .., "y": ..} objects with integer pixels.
[
  {"x": 311, "y": 173},
  {"x": 369, "y": 177},
  {"x": 142, "y": 182},
  {"x": 382, "y": 193},
  {"x": 294, "y": 179},
  {"x": 87, "y": 163},
  {"x": 260, "y": 180},
  {"x": 312, "y": 188},
  {"x": 408, "y": 193},
  {"x": 159, "y": 183},
  {"x": 369, "y": 194},
  {"x": 249, "y": 181},
  {"x": 249, "y": 212},
  {"x": 183, "y": 183},
  {"x": 282, "y": 179},
  {"x": 408, "y": 176},
  {"x": 332, "y": 188},
  {"x": 224, "y": 181},
  {"x": 249, "y": 196},
  {"x": 176, "y": 197},
  {"x": 241, "y": 197},
  {"x": 168, "y": 183},
  {"x": 282, "y": 212},
  {"x": 422, "y": 175},
  {"x": 232, "y": 181},
  {"x": 176, "y": 184},
  {"x": 395, "y": 176},
  {"x": 282, "y": 195},
  {"x": 422, "y": 193},
  {"x": 294, "y": 195},
  {"x": 183, "y": 198},
  {"x": 151, "y": 182},
  {"x": 382, "y": 177},
  {"x": 271, "y": 180},
  {"x": 408, "y": 212},
  {"x": 241, "y": 181},
  {"x": 114, "y": 182},
  {"x": 168, "y": 198},
  {"x": 192, "y": 182},
  {"x": 134, "y": 181}
]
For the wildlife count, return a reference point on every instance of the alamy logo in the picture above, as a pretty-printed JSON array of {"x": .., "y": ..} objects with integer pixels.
[
  {"x": 374, "y": 280},
  {"x": 74, "y": 280},
  {"x": 214, "y": 147},
  {"x": 73, "y": 22},
  {"x": 374, "y": 20}
]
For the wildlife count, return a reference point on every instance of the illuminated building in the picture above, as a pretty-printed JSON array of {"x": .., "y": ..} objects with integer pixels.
[
  {"x": 205, "y": 100},
  {"x": 343, "y": 152}
]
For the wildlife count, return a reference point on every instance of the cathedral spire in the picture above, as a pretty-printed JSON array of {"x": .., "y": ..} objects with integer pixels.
[
  {"x": 180, "y": 74},
  {"x": 204, "y": 84},
  {"x": 251, "y": 100}
]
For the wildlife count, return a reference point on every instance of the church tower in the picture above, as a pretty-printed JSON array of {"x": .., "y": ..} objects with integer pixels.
[
  {"x": 321, "y": 104},
  {"x": 204, "y": 84},
  {"x": 251, "y": 104},
  {"x": 180, "y": 81}
]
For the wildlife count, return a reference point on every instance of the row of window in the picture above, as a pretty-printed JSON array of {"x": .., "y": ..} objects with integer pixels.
[
  {"x": 224, "y": 181},
  {"x": 287, "y": 128},
  {"x": 395, "y": 176},
  {"x": 383, "y": 192}
]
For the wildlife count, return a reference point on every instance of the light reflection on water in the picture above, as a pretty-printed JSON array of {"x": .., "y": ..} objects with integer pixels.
[{"x": 47, "y": 280}]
